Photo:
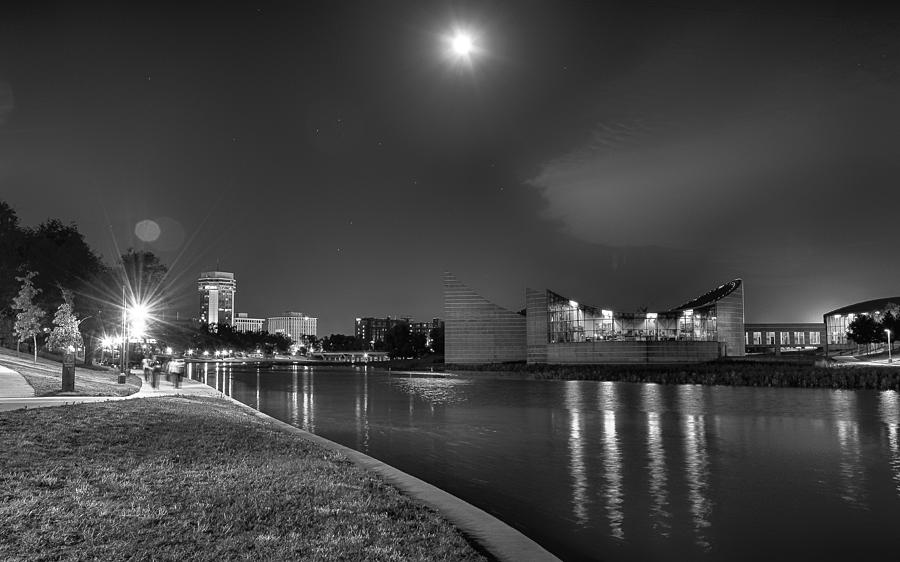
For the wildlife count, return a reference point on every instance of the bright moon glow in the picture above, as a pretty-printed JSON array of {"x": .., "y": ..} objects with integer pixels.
[
  {"x": 147, "y": 230},
  {"x": 462, "y": 44}
]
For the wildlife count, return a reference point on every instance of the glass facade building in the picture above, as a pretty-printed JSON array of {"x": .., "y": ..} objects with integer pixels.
[
  {"x": 560, "y": 330},
  {"x": 838, "y": 321}
]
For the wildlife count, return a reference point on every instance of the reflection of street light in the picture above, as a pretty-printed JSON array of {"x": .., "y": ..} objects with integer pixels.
[{"x": 888, "y": 332}]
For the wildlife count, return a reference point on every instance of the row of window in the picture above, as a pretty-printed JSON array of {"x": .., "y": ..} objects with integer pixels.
[
  {"x": 569, "y": 322},
  {"x": 784, "y": 339}
]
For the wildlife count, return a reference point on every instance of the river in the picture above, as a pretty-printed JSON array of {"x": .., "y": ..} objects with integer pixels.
[{"x": 619, "y": 471}]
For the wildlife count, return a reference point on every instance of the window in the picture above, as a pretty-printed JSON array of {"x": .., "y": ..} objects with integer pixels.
[
  {"x": 746, "y": 338},
  {"x": 799, "y": 338},
  {"x": 785, "y": 338},
  {"x": 814, "y": 338},
  {"x": 770, "y": 338},
  {"x": 757, "y": 338}
]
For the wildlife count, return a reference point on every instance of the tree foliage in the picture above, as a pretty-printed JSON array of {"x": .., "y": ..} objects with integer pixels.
[
  {"x": 28, "y": 313},
  {"x": 65, "y": 335},
  {"x": 340, "y": 342}
]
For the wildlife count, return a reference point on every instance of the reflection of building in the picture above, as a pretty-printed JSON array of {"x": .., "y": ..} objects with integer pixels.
[
  {"x": 372, "y": 330},
  {"x": 556, "y": 329},
  {"x": 217, "y": 290},
  {"x": 766, "y": 338},
  {"x": 837, "y": 321},
  {"x": 243, "y": 323},
  {"x": 294, "y": 325}
]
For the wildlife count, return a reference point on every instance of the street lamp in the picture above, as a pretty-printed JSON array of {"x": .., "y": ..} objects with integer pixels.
[{"x": 888, "y": 332}]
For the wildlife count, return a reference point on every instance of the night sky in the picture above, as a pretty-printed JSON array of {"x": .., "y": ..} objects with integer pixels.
[{"x": 338, "y": 158}]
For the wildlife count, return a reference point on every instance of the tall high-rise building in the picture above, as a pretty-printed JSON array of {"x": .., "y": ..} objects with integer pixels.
[
  {"x": 293, "y": 324},
  {"x": 217, "y": 290}
]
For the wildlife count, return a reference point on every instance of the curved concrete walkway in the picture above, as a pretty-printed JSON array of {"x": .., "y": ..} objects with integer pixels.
[
  {"x": 14, "y": 385},
  {"x": 14, "y": 397}
]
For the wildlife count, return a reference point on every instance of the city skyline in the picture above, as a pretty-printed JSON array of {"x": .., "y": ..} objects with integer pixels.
[{"x": 341, "y": 158}]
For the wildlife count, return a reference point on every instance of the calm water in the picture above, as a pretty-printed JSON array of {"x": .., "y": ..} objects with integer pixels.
[{"x": 618, "y": 471}]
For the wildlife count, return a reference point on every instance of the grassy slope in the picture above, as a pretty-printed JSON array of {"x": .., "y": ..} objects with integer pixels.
[
  {"x": 46, "y": 377},
  {"x": 199, "y": 479}
]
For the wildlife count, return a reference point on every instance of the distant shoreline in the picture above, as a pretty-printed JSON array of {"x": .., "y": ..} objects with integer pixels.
[{"x": 721, "y": 373}]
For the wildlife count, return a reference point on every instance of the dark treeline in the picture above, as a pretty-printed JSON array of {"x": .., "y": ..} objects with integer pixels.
[{"x": 60, "y": 264}]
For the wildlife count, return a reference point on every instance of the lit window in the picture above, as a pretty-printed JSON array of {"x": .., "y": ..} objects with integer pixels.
[
  {"x": 799, "y": 338},
  {"x": 757, "y": 338},
  {"x": 770, "y": 338},
  {"x": 814, "y": 338},
  {"x": 785, "y": 338}
]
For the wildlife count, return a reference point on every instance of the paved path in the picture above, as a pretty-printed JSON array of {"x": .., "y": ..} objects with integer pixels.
[
  {"x": 16, "y": 394},
  {"x": 14, "y": 385}
]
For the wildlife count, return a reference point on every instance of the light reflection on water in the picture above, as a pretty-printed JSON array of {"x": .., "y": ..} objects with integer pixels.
[
  {"x": 847, "y": 430},
  {"x": 577, "y": 464},
  {"x": 696, "y": 463},
  {"x": 620, "y": 471},
  {"x": 889, "y": 408},
  {"x": 656, "y": 466}
]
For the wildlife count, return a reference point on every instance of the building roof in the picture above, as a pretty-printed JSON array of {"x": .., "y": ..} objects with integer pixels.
[
  {"x": 716, "y": 294},
  {"x": 865, "y": 306}
]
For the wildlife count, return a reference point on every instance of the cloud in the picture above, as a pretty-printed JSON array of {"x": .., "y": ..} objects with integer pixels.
[{"x": 725, "y": 178}]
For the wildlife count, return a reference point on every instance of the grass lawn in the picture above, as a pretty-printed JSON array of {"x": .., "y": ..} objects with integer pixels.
[
  {"x": 192, "y": 478},
  {"x": 45, "y": 377}
]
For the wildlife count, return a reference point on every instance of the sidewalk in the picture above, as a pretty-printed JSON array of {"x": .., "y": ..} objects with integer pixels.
[{"x": 16, "y": 394}]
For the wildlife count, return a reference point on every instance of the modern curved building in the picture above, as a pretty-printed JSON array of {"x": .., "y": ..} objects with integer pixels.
[
  {"x": 560, "y": 330},
  {"x": 837, "y": 321}
]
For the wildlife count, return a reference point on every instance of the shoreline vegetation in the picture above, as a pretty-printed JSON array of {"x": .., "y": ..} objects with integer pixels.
[
  {"x": 765, "y": 373},
  {"x": 197, "y": 478}
]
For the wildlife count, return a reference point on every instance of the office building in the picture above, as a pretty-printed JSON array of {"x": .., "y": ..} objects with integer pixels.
[
  {"x": 778, "y": 337},
  {"x": 243, "y": 323},
  {"x": 295, "y": 325},
  {"x": 371, "y": 331},
  {"x": 217, "y": 289}
]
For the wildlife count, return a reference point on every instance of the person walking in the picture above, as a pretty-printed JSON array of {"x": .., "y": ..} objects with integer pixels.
[
  {"x": 155, "y": 374},
  {"x": 148, "y": 368}
]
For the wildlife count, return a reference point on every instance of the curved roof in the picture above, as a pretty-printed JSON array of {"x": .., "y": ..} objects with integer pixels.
[
  {"x": 865, "y": 306},
  {"x": 716, "y": 294}
]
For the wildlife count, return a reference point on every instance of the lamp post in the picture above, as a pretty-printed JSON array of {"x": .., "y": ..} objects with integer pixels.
[
  {"x": 888, "y": 332},
  {"x": 122, "y": 358}
]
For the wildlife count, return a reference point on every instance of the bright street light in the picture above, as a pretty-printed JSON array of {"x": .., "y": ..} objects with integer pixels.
[
  {"x": 462, "y": 44},
  {"x": 888, "y": 332}
]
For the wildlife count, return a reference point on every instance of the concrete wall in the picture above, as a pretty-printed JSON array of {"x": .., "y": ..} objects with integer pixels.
[
  {"x": 630, "y": 352},
  {"x": 477, "y": 330},
  {"x": 536, "y": 321},
  {"x": 730, "y": 322}
]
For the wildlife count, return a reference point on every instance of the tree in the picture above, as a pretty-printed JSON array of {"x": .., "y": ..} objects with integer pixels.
[
  {"x": 864, "y": 330},
  {"x": 437, "y": 340},
  {"x": 10, "y": 259},
  {"x": 65, "y": 335},
  {"x": 398, "y": 341},
  {"x": 28, "y": 318}
]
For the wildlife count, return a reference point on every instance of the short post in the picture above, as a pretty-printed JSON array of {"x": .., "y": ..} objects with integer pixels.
[{"x": 68, "y": 372}]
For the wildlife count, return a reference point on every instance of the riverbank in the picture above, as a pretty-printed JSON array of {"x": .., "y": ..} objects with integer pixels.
[
  {"x": 728, "y": 373},
  {"x": 196, "y": 478}
]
